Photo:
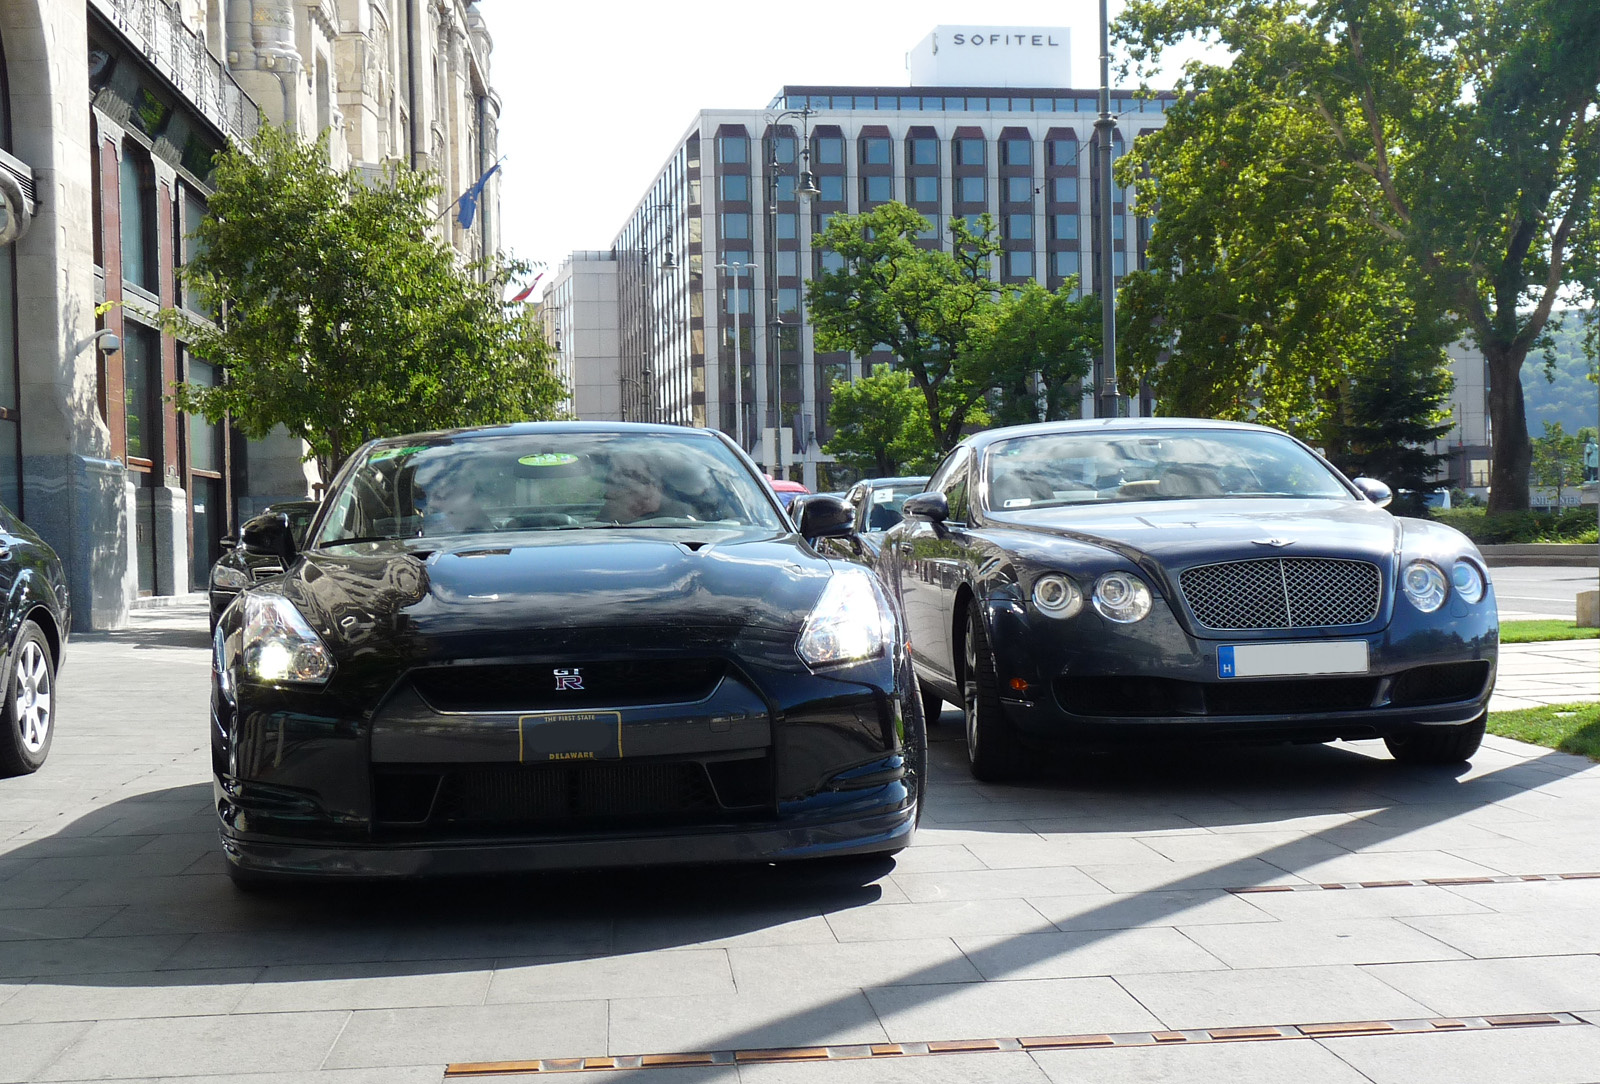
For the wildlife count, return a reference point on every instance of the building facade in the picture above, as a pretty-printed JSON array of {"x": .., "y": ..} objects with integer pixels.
[
  {"x": 579, "y": 316},
  {"x": 720, "y": 248},
  {"x": 110, "y": 113}
]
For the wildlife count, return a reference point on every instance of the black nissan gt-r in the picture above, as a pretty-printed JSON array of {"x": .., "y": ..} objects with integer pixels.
[
  {"x": 1152, "y": 580},
  {"x": 557, "y": 645}
]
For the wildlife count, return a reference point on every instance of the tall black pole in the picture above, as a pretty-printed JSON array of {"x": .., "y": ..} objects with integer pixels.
[{"x": 1104, "y": 280}]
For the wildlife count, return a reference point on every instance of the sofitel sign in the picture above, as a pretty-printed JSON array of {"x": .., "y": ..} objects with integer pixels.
[{"x": 992, "y": 56}]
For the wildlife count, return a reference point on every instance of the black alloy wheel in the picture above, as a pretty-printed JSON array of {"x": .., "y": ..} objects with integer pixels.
[
  {"x": 994, "y": 752},
  {"x": 29, "y": 704},
  {"x": 1438, "y": 744}
]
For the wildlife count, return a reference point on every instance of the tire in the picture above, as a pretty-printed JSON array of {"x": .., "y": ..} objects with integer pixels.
[
  {"x": 1437, "y": 744},
  {"x": 29, "y": 713},
  {"x": 994, "y": 752},
  {"x": 932, "y": 702},
  {"x": 915, "y": 744}
]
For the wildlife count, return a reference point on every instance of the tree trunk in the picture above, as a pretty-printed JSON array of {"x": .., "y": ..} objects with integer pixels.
[{"x": 1513, "y": 451}]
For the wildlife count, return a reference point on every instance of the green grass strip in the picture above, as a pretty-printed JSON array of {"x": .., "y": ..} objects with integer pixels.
[
  {"x": 1528, "y": 632},
  {"x": 1569, "y": 728}
]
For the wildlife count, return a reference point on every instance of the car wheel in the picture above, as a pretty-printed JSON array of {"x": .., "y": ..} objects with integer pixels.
[
  {"x": 1437, "y": 744},
  {"x": 29, "y": 704},
  {"x": 932, "y": 702},
  {"x": 915, "y": 744},
  {"x": 993, "y": 752}
]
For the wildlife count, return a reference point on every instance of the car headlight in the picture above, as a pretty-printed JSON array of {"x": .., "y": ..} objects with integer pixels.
[
  {"x": 1424, "y": 585},
  {"x": 849, "y": 623},
  {"x": 1467, "y": 580},
  {"x": 1122, "y": 597},
  {"x": 279, "y": 646},
  {"x": 219, "y": 663},
  {"x": 1055, "y": 595},
  {"x": 230, "y": 578}
]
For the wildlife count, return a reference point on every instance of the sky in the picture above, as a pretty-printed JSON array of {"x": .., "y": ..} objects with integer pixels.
[{"x": 596, "y": 94}]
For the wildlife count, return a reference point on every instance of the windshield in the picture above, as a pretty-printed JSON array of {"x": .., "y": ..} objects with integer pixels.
[
  {"x": 1152, "y": 465},
  {"x": 543, "y": 482},
  {"x": 887, "y": 504}
]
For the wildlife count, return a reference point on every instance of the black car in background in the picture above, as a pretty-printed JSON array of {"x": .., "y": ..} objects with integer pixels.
[
  {"x": 558, "y": 645},
  {"x": 35, "y": 621},
  {"x": 1150, "y": 580},
  {"x": 239, "y": 567},
  {"x": 875, "y": 505}
]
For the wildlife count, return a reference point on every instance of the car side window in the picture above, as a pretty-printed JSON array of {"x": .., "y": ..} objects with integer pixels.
[{"x": 951, "y": 480}]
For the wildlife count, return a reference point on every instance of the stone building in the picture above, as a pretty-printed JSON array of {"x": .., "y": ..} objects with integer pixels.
[{"x": 110, "y": 113}]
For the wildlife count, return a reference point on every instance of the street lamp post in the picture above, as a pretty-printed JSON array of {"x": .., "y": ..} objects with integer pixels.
[
  {"x": 805, "y": 188},
  {"x": 737, "y": 269},
  {"x": 643, "y": 382},
  {"x": 1104, "y": 126}
]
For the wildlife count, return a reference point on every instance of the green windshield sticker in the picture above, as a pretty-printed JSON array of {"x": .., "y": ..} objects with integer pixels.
[
  {"x": 548, "y": 459},
  {"x": 394, "y": 453}
]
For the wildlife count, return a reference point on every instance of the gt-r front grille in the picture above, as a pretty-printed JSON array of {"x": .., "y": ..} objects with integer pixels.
[
  {"x": 1283, "y": 593},
  {"x": 527, "y": 687}
]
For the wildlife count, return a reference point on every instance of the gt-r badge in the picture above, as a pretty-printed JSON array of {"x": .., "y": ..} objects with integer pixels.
[
  {"x": 569, "y": 680},
  {"x": 1276, "y": 543}
]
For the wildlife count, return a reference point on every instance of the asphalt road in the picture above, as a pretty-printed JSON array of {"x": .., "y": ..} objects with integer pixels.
[
  {"x": 1111, "y": 921},
  {"x": 1538, "y": 591}
]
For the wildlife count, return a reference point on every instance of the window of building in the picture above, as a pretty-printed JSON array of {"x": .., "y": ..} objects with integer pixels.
[
  {"x": 1019, "y": 189},
  {"x": 932, "y": 232},
  {"x": 1119, "y": 264},
  {"x": 788, "y": 300},
  {"x": 788, "y": 262},
  {"x": 141, "y": 381},
  {"x": 1119, "y": 227},
  {"x": 1063, "y": 152},
  {"x": 1064, "y": 227},
  {"x": 924, "y": 190},
  {"x": 975, "y": 224},
  {"x": 830, "y": 150},
  {"x": 875, "y": 151},
  {"x": 924, "y": 151},
  {"x": 877, "y": 189},
  {"x": 784, "y": 188},
  {"x": 969, "y": 151},
  {"x": 190, "y": 245},
  {"x": 137, "y": 192},
  {"x": 1064, "y": 263},
  {"x": 788, "y": 226},
  {"x": 205, "y": 438},
  {"x": 735, "y": 187},
  {"x": 1019, "y": 227},
  {"x": 829, "y": 260},
  {"x": 1019, "y": 264},
  {"x": 740, "y": 296},
  {"x": 783, "y": 149},
  {"x": 824, "y": 220},
  {"x": 970, "y": 189},
  {"x": 733, "y": 149},
  {"x": 735, "y": 225},
  {"x": 1017, "y": 152},
  {"x": 1064, "y": 189},
  {"x": 832, "y": 187}
]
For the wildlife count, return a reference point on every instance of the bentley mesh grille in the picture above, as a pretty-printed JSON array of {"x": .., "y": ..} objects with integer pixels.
[{"x": 1283, "y": 593}]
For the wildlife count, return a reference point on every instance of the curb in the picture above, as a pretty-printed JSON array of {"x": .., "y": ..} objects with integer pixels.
[{"x": 1555, "y": 554}]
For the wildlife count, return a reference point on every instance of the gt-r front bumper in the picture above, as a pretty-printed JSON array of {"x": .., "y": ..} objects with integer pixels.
[{"x": 1089, "y": 680}]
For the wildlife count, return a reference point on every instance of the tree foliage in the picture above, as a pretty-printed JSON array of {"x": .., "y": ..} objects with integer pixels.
[
  {"x": 955, "y": 332},
  {"x": 1365, "y": 169},
  {"x": 1558, "y": 458},
  {"x": 341, "y": 315},
  {"x": 1031, "y": 347},
  {"x": 881, "y": 425}
]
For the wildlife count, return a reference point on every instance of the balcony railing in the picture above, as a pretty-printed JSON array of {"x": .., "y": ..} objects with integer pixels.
[{"x": 179, "y": 54}]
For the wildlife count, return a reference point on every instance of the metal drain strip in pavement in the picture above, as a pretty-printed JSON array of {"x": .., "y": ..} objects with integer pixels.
[
  {"x": 876, "y": 1051},
  {"x": 1426, "y": 882}
]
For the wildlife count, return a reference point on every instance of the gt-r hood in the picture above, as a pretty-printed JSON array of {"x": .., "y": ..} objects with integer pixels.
[
  {"x": 457, "y": 596},
  {"x": 1178, "y": 534}
]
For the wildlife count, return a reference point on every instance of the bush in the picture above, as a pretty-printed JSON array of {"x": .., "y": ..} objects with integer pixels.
[{"x": 1511, "y": 528}]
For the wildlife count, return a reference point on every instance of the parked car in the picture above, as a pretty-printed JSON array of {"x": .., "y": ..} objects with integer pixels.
[
  {"x": 1157, "y": 579},
  {"x": 786, "y": 490},
  {"x": 875, "y": 505},
  {"x": 35, "y": 620},
  {"x": 555, "y": 645},
  {"x": 238, "y": 568}
]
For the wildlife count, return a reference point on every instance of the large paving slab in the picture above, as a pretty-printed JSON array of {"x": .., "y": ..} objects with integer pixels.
[{"x": 1110, "y": 896}]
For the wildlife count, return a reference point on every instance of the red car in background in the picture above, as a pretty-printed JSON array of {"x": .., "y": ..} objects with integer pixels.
[{"x": 786, "y": 490}]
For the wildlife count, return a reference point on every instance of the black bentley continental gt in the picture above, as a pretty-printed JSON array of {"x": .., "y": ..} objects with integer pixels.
[
  {"x": 1113, "y": 581},
  {"x": 558, "y": 645},
  {"x": 35, "y": 621}
]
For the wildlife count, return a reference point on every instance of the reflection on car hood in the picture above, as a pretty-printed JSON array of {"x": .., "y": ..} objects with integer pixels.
[
  {"x": 1189, "y": 532},
  {"x": 477, "y": 586}
]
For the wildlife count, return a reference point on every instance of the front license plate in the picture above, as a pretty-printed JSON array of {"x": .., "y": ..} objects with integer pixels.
[
  {"x": 1292, "y": 660},
  {"x": 569, "y": 735}
]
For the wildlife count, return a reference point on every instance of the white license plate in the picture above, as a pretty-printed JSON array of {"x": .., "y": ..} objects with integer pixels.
[{"x": 1292, "y": 660}]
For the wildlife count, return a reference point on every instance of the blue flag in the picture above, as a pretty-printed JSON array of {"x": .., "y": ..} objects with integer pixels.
[{"x": 468, "y": 203}]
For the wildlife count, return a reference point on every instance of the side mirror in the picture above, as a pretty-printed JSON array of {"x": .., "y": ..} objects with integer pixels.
[
  {"x": 1374, "y": 491},
  {"x": 228, "y": 542},
  {"x": 269, "y": 534},
  {"x": 822, "y": 516},
  {"x": 929, "y": 506}
]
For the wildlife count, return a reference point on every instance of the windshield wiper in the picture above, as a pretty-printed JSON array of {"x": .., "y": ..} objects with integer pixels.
[{"x": 359, "y": 538}]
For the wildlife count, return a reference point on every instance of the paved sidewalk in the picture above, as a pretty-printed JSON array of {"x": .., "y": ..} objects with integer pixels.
[
  {"x": 1554, "y": 672},
  {"x": 1118, "y": 896}
]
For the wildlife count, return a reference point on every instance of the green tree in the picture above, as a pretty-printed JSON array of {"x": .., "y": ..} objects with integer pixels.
[
  {"x": 880, "y": 425},
  {"x": 1557, "y": 459},
  {"x": 1392, "y": 411},
  {"x": 1440, "y": 156},
  {"x": 959, "y": 336},
  {"x": 1031, "y": 347},
  {"x": 341, "y": 315}
]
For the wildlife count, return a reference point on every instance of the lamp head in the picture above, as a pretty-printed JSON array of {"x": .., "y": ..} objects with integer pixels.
[
  {"x": 808, "y": 185},
  {"x": 668, "y": 263}
]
